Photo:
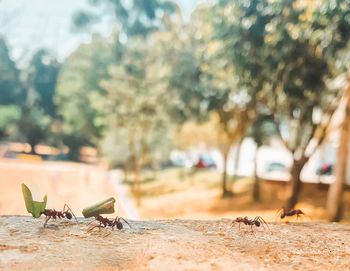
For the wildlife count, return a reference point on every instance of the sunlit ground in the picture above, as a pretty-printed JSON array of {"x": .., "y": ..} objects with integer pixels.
[
  {"x": 175, "y": 193},
  {"x": 169, "y": 193}
]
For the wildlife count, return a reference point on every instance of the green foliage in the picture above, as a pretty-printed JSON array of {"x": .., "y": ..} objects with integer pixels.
[
  {"x": 136, "y": 103},
  {"x": 26, "y": 97},
  {"x": 262, "y": 129},
  {"x": 137, "y": 17},
  {"x": 9, "y": 117},
  {"x": 234, "y": 60},
  {"x": 277, "y": 49},
  {"x": 34, "y": 125},
  {"x": 41, "y": 81},
  {"x": 10, "y": 86},
  {"x": 79, "y": 97},
  {"x": 36, "y": 208}
]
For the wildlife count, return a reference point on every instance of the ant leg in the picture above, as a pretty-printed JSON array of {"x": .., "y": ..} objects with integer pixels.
[
  {"x": 47, "y": 220},
  {"x": 262, "y": 221},
  {"x": 107, "y": 234},
  {"x": 96, "y": 226},
  {"x": 278, "y": 213},
  {"x": 69, "y": 209},
  {"x": 125, "y": 221},
  {"x": 251, "y": 227},
  {"x": 91, "y": 222},
  {"x": 309, "y": 217},
  {"x": 300, "y": 217},
  {"x": 257, "y": 219}
]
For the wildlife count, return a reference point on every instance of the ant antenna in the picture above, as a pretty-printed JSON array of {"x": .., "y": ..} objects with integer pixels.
[{"x": 70, "y": 210}]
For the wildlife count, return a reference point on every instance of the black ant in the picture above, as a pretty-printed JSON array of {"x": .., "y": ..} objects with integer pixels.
[
  {"x": 105, "y": 222},
  {"x": 257, "y": 222},
  {"x": 283, "y": 213},
  {"x": 65, "y": 213}
]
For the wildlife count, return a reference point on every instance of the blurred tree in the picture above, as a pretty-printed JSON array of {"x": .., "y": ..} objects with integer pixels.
[
  {"x": 306, "y": 56},
  {"x": 9, "y": 117},
  {"x": 241, "y": 70},
  {"x": 137, "y": 103},
  {"x": 80, "y": 98},
  {"x": 333, "y": 19},
  {"x": 136, "y": 17},
  {"x": 11, "y": 93},
  {"x": 38, "y": 110},
  {"x": 293, "y": 79},
  {"x": 42, "y": 78},
  {"x": 34, "y": 126},
  {"x": 261, "y": 131},
  {"x": 205, "y": 80},
  {"x": 335, "y": 206}
]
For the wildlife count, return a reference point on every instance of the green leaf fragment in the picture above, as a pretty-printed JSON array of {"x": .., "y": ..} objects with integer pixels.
[
  {"x": 103, "y": 207},
  {"x": 36, "y": 208}
]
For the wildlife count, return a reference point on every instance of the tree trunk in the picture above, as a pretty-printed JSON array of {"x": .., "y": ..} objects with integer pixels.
[
  {"x": 256, "y": 185},
  {"x": 238, "y": 153},
  {"x": 137, "y": 181},
  {"x": 32, "y": 148},
  {"x": 295, "y": 182},
  {"x": 225, "y": 191},
  {"x": 335, "y": 194},
  {"x": 126, "y": 172}
]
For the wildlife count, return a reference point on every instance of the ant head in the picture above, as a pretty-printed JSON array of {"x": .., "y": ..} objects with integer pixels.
[
  {"x": 68, "y": 215},
  {"x": 281, "y": 212},
  {"x": 119, "y": 225},
  {"x": 257, "y": 223}
]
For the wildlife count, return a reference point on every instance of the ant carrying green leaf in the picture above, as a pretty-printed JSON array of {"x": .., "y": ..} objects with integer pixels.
[
  {"x": 103, "y": 207},
  {"x": 37, "y": 208}
]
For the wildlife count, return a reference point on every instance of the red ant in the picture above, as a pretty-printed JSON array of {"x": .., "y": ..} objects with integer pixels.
[
  {"x": 65, "y": 213},
  {"x": 257, "y": 221},
  {"x": 283, "y": 213},
  {"x": 104, "y": 222}
]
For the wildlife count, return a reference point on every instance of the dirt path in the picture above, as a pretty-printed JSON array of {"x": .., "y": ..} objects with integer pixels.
[{"x": 172, "y": 245}]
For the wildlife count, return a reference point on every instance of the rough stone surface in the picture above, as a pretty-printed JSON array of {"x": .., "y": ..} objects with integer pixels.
[{"x": 172, "y": 245}]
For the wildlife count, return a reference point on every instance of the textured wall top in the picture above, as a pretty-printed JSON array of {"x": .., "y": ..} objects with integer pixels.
[{"x": 171, "y": 245}]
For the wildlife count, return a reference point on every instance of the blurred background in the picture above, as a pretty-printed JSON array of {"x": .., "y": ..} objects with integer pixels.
[{"x": 179, "y": 109}]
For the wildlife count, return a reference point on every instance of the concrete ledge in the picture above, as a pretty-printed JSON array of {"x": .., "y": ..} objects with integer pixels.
[{"x": 172, "y": 245}]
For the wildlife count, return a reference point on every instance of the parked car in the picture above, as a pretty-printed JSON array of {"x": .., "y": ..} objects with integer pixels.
[
  {"x": 325, "y": 169},
  {"x": 276, "y": 166},
  {"x": 205, "y": 162}
]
